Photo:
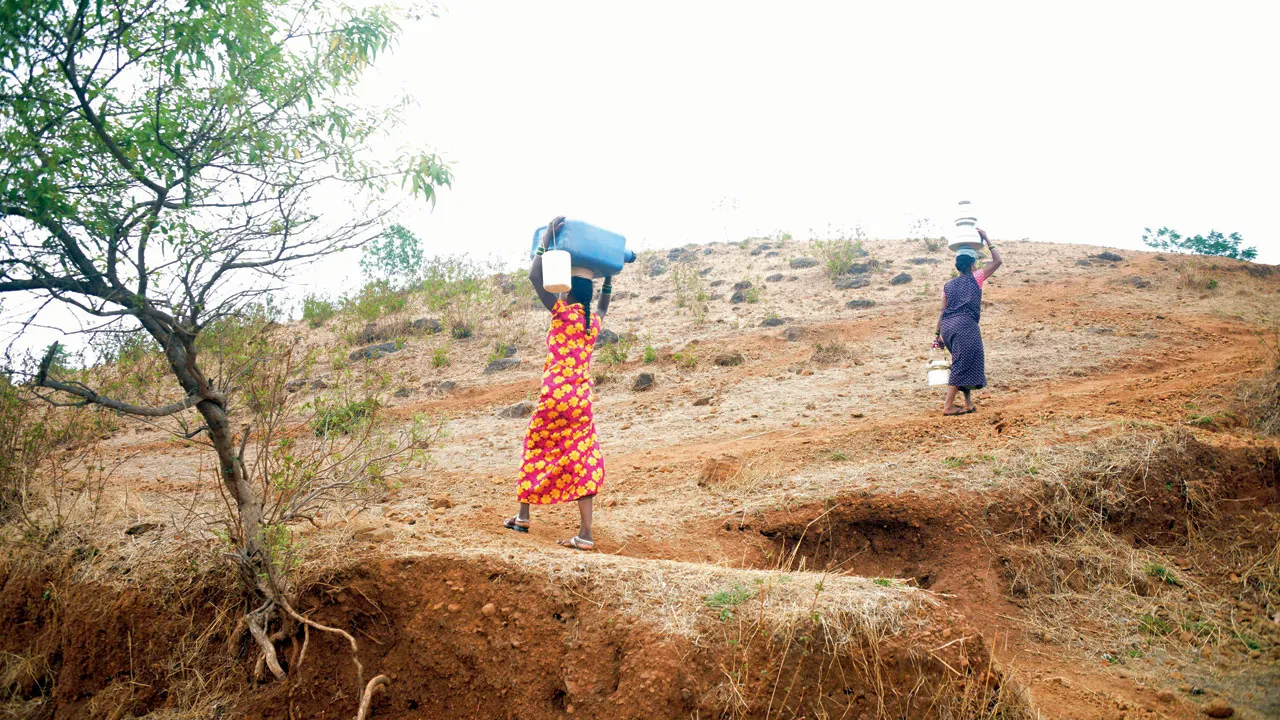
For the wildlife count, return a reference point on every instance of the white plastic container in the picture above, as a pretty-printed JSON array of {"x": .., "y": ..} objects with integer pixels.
[
  {"x": 557, "y": 271},
  {"x": 939, "y": 372},
  {"x": 965, "y": 234}
]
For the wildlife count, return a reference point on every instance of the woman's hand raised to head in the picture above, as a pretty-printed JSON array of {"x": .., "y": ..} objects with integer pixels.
[
  {"x": 553, "y": 231},
  {"x": 983, "y": 234}
]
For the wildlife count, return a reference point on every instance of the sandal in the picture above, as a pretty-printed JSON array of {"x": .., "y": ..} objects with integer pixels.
[
  {"x": 951, "y": 412},
  {"x": 514, "y": 523},
  {"x": 578, "y": 543},
  {"x": 971, "y": 410}
]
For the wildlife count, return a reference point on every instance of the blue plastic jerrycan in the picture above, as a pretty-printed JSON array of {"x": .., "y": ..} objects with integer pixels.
[{"x": 600, "y": 251}]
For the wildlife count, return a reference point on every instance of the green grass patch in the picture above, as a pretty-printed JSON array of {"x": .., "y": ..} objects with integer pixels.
[
  {"x": 724, "y": 601},
  {"x": 1163, "y": 574},
  {"x": 342, "y": 418}
]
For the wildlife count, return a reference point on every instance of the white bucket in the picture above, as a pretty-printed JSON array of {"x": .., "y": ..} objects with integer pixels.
[
  {"x": 939, "y": 372},
  {"x": 557, "y": 271}
]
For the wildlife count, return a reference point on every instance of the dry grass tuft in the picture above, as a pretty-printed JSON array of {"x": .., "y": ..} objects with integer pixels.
[{"x": 1259, "y": 398}]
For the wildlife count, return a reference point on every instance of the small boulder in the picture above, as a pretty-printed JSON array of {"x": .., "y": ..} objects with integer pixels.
[
  {"x": 440, "y": 387},
  {"x": 1138, "y": 281},
  {"x": 705, "y": 271},
  {"x": 703, "y": 402},
  {"x": 501, "y": 364},
  {"x": 294, "y": 386},
  {"x": 319, "y": 384},
  {"x": 719, "y": 470},
  {"x": 860, "y": 304},
  {"x": 381, "y": 534},
  {"x": 141, "y": 529},
  {"x": 676, "y": 254},
  {"x": 656, "y": 268},
  {"x": 1108, "y": 256},
  {"x": 760, "y": 250},
  {"x": 607, "y": 337},
  {"x": 1219, "y": 708},
  {"x": 776, "y": 277},
  {"x": 707, "y": 251},
  {"x": 801, "y": 263},
  {"x": 732, "y": 359},
  {"x": 772, "y": 253},
  {"x": 848, "y": 282},
  {"x": 738, "y": 297},
  {"x": 655, "y": 298},
  {"x": 373, "y": 352},
  {"x": 742, "y": 285},
  {"x": 924, "y": 261},
  {"x": 900, "y": 279},
  {"x": 426, "y": 326},
  {"x": 717, "y": 283},
  {"x": 514, "y": 412},
  {"x": 643, "y": 381},
  {"x": 793, "y": 334},
  {"x": 403, "y": 392},
  {"x": 1084, "y": 263},
  {"x": 860, "y": 269},
  {"x": 441, "y": 503},
  {"x": 773, "y": 322}
]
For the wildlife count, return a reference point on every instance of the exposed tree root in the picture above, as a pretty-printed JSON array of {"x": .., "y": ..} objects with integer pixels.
[{"x": 366, "y": 699}]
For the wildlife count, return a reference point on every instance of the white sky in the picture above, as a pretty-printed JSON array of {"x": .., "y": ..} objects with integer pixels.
[
  {"x": 1077, "y": 122},
  {"x": 676, "y": 122}
]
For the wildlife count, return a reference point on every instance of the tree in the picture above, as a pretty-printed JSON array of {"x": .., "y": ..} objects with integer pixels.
[
  {"x": 159, "y": 164},
  {"x": 395, "y": 256},
  {"x": 1214, "y": 244}
]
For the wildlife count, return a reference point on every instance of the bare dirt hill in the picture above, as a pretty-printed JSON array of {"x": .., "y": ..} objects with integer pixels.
[{"x": 789, "y": 527}]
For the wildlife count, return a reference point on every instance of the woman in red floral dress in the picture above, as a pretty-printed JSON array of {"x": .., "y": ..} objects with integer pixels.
[{"x": 562, "y": 460}]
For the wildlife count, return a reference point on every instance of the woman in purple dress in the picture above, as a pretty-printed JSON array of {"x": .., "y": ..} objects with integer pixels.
[{"x": 958, "y": 326}]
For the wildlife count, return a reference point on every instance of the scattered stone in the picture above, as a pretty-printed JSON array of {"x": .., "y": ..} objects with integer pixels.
[
  {"x": 860, "y": 304},
  {"x": 776, "y": 277},
  {"x": 705, "y": 271},
  {"x": 719, "y": 470},
  {"x": 428, "y": 326},
  {"x": 1219, "y": 709},
  {"x": 773, "y": 322},
  {"x": 655, "y": 298},
  {"x": 1108, "y": 256},
  {"x": 644, "y": 381},
  {"x": 507, "y": 351},
  {"x": 319, "y": 384},
  {"x": 793, "y": 334},
  {"x": 1084, "y": 263},
  {"x": 1100, "y": 330},
  {"x": 732, "y": 359},
  {"x": 742, "y": 285},
  {"x": 441, "y": 503},
  {"x": 717, "y": 283},
  {"x": 141, "y": 529},
  {"x": 440, "y": 387},
  {"x": 501, "y": 364},
  {"x": 1138, "y": 281},
  {"x": 294, "y": 386},
  {"x": 454, "y": 607},
  {"x": 402, "y": 393},
  {"x": 738, "y": 297},
  {"x": 846, "y": 282},
  {"x": 656, "y": 268},
  {"x": 924, "y": 261},
  {"x": 900, "y": 279},
  {"x": 861, "y": 269},
  {"x": 772, "y": 253},
  {"x": 1165, "y": 696},
  {"x": 760, "y": 250},
  {"x": 381, "y": 534},
  {"x": 707, "y": 251},
  {"x": 521, "y": 409},
  {"x": 489, "y": 610},
  {"x": 675, "y": 254},
  {"x": 801, "y": 263},
  {"x": 607, "y": 337},
  {"x": 703, "y": 402},
  {"x": 373, "y": 352}
]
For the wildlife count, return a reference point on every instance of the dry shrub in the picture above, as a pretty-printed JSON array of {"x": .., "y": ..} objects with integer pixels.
[
  {"x": 1259, "y": 398},
  {"x": 833, "y": 353}
]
